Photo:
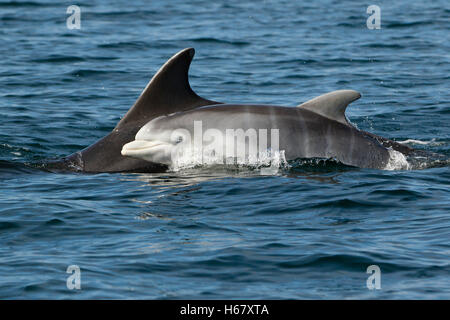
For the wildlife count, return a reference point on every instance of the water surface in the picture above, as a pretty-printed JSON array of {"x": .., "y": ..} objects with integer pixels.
[{"x": 309, "y": 231}]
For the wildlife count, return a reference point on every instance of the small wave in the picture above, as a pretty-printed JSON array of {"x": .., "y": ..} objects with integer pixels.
[
  {"x": 125, "y": 14},
  {"x": 384, "y": 45},
  {"x": 432, "y": 142},
  {"x": 17, "y": 152},
  {"x": 408, "y": 24},
  {"x": 8, "y": 225},
  {"x": 295, "y": 61},
  {"x": 65, "y": 59},
  {"x": 16, "y": 4},
  {"x": 221, "y": 41},
  {"x": 93, "y": 72},
  {"x": 126, "y": 45},
  {"x": 11, "y": 169},
  {"x": 58, "y": 59}
]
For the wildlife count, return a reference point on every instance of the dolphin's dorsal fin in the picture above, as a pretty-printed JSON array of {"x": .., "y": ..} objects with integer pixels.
[
  {"x": 333, "y": 104},
  {"x": 167, "y": 92}
]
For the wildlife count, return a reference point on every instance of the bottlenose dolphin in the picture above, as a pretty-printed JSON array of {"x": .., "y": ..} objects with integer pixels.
[
  {"x": 167, "y": 92},
  {"x": 143, "y": 140},
  {"x": 315, "y": 129}
]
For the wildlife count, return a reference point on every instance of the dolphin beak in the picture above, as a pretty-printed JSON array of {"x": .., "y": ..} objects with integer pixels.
[{"x": 139, "y": 147}]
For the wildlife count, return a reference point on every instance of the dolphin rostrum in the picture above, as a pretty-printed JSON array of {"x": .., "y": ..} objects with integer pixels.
[{"x": 144, "y": 139}]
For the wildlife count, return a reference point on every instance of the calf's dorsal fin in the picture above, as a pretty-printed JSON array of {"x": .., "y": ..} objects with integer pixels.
[
  {"x": 333, "y": 104},
  {"x": 167, "y": 92}
]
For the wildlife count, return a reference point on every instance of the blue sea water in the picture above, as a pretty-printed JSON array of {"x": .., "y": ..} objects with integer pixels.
[{"x": 309, "y": 231}]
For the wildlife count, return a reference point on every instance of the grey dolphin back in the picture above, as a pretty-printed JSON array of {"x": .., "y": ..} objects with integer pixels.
[
  {"x": 333, "y": 104},
  {"x": 167, "y": 92}
]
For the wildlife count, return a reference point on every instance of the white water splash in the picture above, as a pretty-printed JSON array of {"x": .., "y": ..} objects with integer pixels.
[
  {"x": 78, "y": 165},
  {"x": 397, "y": 161},
  {"x": 269, "y": 161}
]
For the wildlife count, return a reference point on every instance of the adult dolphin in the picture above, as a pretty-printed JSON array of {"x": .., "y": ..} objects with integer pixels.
[
  {"x": 167, "y": 92},
  {"x": 315, "y": 129}
]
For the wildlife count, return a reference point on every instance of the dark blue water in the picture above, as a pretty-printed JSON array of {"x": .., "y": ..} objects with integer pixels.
[{"x": 310, "y": 231}]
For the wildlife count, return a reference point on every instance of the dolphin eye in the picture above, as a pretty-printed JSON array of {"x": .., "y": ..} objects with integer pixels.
[{"x": 178, "y": 139}]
